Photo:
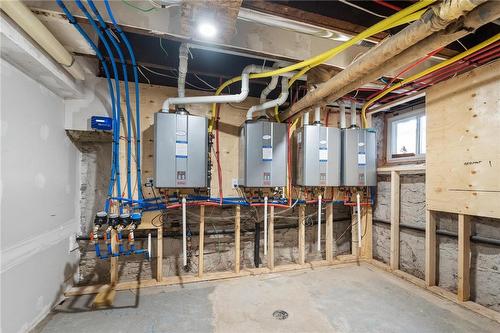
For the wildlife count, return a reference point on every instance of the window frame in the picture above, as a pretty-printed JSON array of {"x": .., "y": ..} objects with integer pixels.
[{"x": 401, "y": 115}]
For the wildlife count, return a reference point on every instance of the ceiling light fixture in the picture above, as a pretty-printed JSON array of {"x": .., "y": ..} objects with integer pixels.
[{"x": 207, "y": 30}]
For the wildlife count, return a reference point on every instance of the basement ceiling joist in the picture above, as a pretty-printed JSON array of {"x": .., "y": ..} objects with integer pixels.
[{"x": 251, "y": 38}]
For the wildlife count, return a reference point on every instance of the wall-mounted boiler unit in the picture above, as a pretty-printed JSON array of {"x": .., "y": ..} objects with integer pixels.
[
  {"x": 263, "y": 154},
  {"x": 317, "y": 156},
  {"x": 181, "y": 150},
  {"x": 359, "y": 157}
]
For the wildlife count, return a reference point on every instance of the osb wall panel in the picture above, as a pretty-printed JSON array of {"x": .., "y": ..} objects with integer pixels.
[{"x": 463, "y": 145}]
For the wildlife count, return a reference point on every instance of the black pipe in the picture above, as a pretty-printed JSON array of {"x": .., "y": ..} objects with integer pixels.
[
  {"x": 473, "y": 238},
  {"x": 256, "y": 249}
]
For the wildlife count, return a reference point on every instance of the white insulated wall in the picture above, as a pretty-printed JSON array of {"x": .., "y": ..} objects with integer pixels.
[{"x": 39, "y": 192}]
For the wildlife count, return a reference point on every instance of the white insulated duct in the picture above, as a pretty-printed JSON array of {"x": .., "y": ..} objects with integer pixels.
[{"x": 28, "y": 21}]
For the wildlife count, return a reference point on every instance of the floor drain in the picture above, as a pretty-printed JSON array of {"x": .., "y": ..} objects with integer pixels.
[{"x": 280, "y": 314}]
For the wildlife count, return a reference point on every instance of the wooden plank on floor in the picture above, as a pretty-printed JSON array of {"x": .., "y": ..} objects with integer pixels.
[
  {"x": 430, "y": 248},
  {"x": 159, "y": 254},
  {"x": 302, "y": 234},
  {"x": 464, "y": 231},
  {"x": 201, "y": 245},
  {"x": 329, "y": 233},
  {"x": 105, "y": 298},
  {"x": 237, "y": 239},
  {"x": 270, "y": 242},
  {"x": 367, "y": 240},
  {"x": 395, "y": 199}
]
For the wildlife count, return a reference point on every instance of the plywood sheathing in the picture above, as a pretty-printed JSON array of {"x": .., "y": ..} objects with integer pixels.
[{"x": 463, "y": 154}]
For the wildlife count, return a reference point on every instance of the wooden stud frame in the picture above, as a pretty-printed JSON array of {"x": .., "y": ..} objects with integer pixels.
[
  {"x": 430, "y": 248},
  {"x": 270, "y": 241},
  {"x": 395, "y": 198},
  {"x": 464, "y": 231}
]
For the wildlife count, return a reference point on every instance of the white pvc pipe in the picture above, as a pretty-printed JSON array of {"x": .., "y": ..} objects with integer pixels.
[
  {"x": 237, "y": 98},
  {"x": 184, "y": 243},
  {"x": 353, "y": 113},
  {"x": 28, "y": 21},
  {"x": 305, "y": 119},
  {"x": 317, "y": 115},
  {"x": 319, "y": 222},
  {"x": 271, "y": 104},
  {"x": 149, "y": 246},
  {"x": 271, "y": 86},
  {"x": 183, "y": 64},
  {"x": 265, "y": 225},
  {"x": 358, "y": 206},
  {"x": 342, "y": 114}
]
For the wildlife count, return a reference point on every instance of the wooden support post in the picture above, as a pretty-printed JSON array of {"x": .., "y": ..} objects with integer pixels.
[
  {"x": 464, "y": 231},
  {"x": 201, "y": 246},
  {"x": 395, "y": 197},
  {"x": 270, "y": 241},
  {"x": 302, "y": 234},
  {"x": 367, "y": 241},
  {"x": 329, "y": 233},
  {"x": 430, "y": 248},
  {"x": 113, "y": 260},
  {"x": 237, "y": 240},
  {"x": 354, "y": 234},
  {"x": 159, "y": 254}
]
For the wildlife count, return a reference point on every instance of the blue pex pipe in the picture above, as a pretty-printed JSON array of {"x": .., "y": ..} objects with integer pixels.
[
  {"x": 127, "y": 96},
  {"x": 97, "y": 249},
  {"x": 120, "y": 244},
  {"x": 110, "y": 89},
  {"x": 116, "y": 139},
  {"x": 137, "y": 97}
]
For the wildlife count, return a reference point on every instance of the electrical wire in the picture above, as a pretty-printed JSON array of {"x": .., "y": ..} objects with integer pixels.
[
  {"x": 144, "y": 75},
  {"x": 426, "y": 72},
  {"x": 172, "y": 77},
  {"x": 363, "y": 9},
  {"x": 404, "y": 16},
  {"x": 388, "y": 5},
  {"x": 144, "y": 10}
]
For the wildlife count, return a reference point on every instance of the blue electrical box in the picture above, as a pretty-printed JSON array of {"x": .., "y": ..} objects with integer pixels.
[{"x": 101, "y": 123}]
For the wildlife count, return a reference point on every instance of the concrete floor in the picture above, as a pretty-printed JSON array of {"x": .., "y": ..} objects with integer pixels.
[{"x": 347, "y": 299}]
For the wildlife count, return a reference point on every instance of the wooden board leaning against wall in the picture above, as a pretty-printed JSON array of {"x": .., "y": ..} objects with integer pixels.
[{"x": 463, "y": 150}]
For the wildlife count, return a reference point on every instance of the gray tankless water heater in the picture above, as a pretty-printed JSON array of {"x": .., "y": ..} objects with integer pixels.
[
  {"x": 263, "y": 154},
  {"x": 181, "y": 150},
  {"x": 317, "y": 156},
  {"x": 359, "y": 157}
]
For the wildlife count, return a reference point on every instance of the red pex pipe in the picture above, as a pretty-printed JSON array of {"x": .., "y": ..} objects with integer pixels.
[{"x": 388, "y": 5}]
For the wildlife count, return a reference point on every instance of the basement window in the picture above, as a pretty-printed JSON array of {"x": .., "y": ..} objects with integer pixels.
[{"x": 406, "y": 136}]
